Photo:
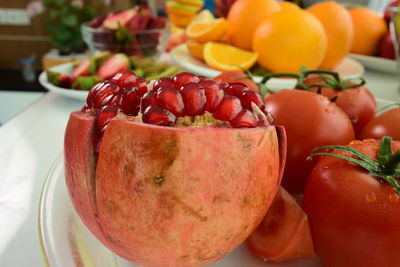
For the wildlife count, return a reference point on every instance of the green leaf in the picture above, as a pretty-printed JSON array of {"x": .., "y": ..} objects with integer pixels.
[{"x": 70, "y": 20}]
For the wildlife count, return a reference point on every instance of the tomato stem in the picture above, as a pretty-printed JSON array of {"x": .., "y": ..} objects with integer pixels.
[{"x": 385, "y": 168}]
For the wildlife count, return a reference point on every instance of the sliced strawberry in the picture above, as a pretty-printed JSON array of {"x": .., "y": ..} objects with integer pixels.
[
  {"x": 59, "y": 79},
  {"x": 111, "y": 66},
  {"x": 83, "y": 68},
  {"x": 119, "y": 20}
]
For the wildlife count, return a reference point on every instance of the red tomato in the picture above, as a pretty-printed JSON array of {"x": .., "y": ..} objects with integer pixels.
[
  {"x": 310, "y": 120},
  {"x": 388, "y": 123},
  {"x": 284, "y": 232},
  {"x": 354, "y": 217},
  {"x": 358, "y": 103},
  {"x": 235, "y": 76}
]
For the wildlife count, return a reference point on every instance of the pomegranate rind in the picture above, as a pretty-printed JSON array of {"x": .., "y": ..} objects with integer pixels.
[
  {"x": 284, "y": 233},
  {"x": 183, "y": 196},
  {"x": 79, "y": 163},
  {"x": 164, "y": 196}
]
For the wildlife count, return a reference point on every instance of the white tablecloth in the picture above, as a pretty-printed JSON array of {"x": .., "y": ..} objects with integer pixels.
[{"x": 30, "y": 142}]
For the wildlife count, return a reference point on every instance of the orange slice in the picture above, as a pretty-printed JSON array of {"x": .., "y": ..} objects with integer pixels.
[
  {"x": 207, "y": 31},
  {"x": 196, "y": 49},
  {"x": 226, "y": 57}
]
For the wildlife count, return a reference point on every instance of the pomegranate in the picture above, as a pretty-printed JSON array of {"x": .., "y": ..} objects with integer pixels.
[{"x": 179, "y": 179}]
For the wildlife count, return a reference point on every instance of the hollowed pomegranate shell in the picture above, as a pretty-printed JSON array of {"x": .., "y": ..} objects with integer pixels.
[{"x": 167, "y": 196}]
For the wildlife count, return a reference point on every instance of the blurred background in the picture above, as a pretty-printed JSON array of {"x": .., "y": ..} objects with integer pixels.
[{"x": 35, "y": 34}]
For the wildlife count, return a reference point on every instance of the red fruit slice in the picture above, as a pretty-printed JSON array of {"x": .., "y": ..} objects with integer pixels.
[
  {"x": 284, "y": 232},
  {"x": 171, "y": 99},
  {"x": 194, "y": 97},
  {"x": 83, "y": 69},
  {"x": 111, "y": 66},
  {"x": 120, "y": 19},
  {"x": 228, "y": 108},
  {"x": 158, "y": 116}
]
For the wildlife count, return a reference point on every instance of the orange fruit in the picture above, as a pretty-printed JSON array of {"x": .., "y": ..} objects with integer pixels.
[
  {"x": 288, "y": 40},
  {"x": 196, "y": 49},
  {"x": 369, "y": 28},
  {"x": 288, "y": 5},
  {"x": 207, "y": 31},
  {"x": 338, "y": 26},
  {"x": 226, "y": 57},
  {"x": 243, "y": 18},
  {"x": 180, "y": 10}
]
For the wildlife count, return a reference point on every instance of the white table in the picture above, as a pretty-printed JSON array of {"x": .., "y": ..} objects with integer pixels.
[{"x": 30, "y": 142}]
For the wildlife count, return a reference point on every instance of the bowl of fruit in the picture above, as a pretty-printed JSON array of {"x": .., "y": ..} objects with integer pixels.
[{"x": 135, "y": 31}]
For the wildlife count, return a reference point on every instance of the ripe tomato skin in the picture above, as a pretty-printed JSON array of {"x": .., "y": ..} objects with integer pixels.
[
  {"x": 354, "y": 218},
  {"x": 310, "y": 121},
  {"x": 388, "y": 123},
  {"x": 358, "y": 103}
]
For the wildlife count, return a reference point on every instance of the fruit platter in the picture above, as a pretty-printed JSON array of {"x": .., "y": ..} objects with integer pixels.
[{"x": 74, "y": 80}]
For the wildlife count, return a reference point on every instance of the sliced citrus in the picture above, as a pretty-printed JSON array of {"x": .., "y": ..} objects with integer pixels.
[
  {"x": 204, "y": 16},
  {"x": 182, "y": 10},
  {"x": 179, "y": 20},
  {"x": 208, "y": 31},
  {"x": 196, "y": 49},
  {"x": 226, "y": 57}
]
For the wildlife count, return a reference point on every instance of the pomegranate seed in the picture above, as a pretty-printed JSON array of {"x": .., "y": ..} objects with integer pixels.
[
  {"x": 163, "y": 82},
  {"x": 236, "y": 89},
  {"x": 171, "y": 99},
  {"x": 214, "y": 94},
  {"x": 203, "y": 78},
  {"x": 148, "y": 99},
  {"x": 228, "y": 109},
  {"x": 142, "y": 86},
  {"x": 125, "y": 78},
  {"x": 248, "y": 97},
  {"x": 184, "y": 78},
  {"x": 158, "y": 116},
  {"x": 130, "y": 103},
  {"x": 245, "y": 118},
  {"x": 103, "y": 117},
  {"x": 102, "y": 94},
  {"x": 194, "y": 97}
]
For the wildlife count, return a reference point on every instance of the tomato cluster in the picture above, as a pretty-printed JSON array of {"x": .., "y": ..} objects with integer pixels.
[{"x": 351, "y": 213}]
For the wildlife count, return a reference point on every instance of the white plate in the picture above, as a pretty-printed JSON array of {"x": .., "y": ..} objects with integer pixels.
[
  {"x": 349, "y": 68},
  {"x": 65, "y": 241},
  {"x": 71, "y": 93},
  {"x": 377, "y": 63}
]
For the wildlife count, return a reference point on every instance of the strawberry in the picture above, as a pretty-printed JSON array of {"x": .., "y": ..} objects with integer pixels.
[
  {"x": 59, "y": 79},
  {"x": 111, "y": 66}
]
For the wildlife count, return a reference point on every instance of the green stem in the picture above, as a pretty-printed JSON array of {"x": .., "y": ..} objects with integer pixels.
[{"x": 385, "y": 168}]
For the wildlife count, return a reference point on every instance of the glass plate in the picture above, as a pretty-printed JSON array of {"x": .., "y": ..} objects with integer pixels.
[
  {"x": 65, "y": 241},
  {"x": 377, "y": 63}
]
